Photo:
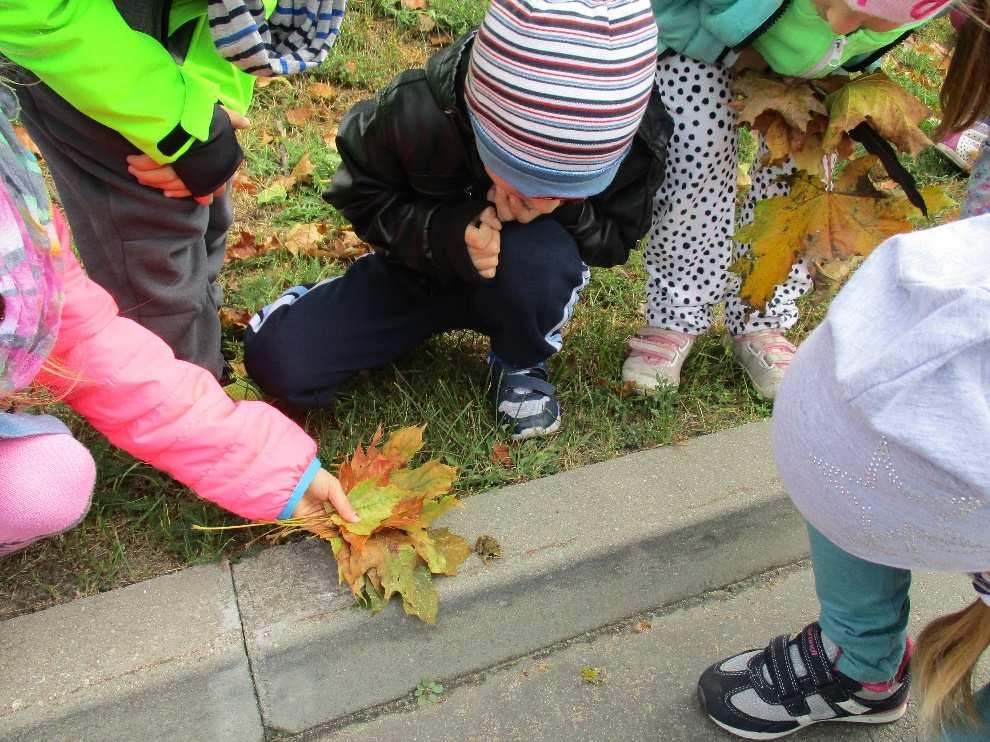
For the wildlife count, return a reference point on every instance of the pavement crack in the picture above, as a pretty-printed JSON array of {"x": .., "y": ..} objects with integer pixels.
[{"x": 247, "y": 653}]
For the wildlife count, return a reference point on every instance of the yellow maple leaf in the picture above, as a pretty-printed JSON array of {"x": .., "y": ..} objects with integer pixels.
[
  {"x": 794, "y": 101},
  {"x": 884, "y": 104},
  {"x": 823, "y": 225}
]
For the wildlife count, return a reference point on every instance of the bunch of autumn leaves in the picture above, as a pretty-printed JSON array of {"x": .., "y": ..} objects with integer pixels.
[
  {"x": 392, "y": 550},
  {"x": 829, "y": 215}
]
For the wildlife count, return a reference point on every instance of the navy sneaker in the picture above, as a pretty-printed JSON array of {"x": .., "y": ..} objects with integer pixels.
[
  {"x": 773, "y": 692},
  {"x": 524, "y": 400}
]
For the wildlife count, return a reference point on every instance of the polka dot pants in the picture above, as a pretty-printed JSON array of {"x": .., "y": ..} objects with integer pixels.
[{"x": 690, "y": 245}]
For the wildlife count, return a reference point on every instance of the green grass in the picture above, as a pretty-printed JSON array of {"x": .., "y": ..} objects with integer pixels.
[{"x": 139, "y": 525}]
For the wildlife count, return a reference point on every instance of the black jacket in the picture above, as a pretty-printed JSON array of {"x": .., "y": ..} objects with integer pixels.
[{"x": 411, "y": 180}]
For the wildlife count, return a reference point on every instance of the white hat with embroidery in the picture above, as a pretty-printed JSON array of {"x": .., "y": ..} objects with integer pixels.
[{"x": 881, "y": 429}]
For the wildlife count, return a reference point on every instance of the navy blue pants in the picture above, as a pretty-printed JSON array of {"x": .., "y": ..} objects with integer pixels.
[{"x": 309, "y": 342}]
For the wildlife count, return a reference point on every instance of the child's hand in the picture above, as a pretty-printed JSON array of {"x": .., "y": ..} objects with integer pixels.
[
  {"x": 149, "y": 173},
  {"x": 164, "y": 178},
  {"x": 511, "y": 207},
  {"x": 323, "y": 489},
  {"x": 484, "y": 242}
]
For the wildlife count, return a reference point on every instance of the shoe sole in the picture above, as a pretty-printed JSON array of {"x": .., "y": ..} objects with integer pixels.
[
  {"x": 884, "y": 718},
  {"x": 950, "y": 154},
  {"x": 536, "y": 432}
]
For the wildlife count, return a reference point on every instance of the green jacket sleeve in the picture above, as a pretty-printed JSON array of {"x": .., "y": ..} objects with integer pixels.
[{"x": 124, "y": 79}]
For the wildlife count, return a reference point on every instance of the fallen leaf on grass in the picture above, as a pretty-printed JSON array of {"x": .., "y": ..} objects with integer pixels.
[
  {"x": 244, "y": 182},
  {"x": 246, "y": 246},
  {"x": 323, "y": 90},
  {"x": 275, "y": 193},
  {"x": 264, "y": 82},
  {"x": 440, "y": 39},
  {"x": 640, "y": 626},
  {"x": 426, "y": 23},
  {"x": 500, "y": 455},
  {"x": 305, "y": 239},
  {"x": 301, "y": 115},
  {"x": 234, "y": 318},
  {"x": 329, "y": 136}
]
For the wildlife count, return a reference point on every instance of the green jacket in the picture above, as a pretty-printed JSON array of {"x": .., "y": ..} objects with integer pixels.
[
  {"x": 791, "y": 36},
  {"x": 158, "y": 88}
]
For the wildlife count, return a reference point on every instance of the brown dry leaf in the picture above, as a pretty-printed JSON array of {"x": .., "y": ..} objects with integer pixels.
[
  {"x": 426, "y": 23},
  {"x": 795, "y": 102},
  {"x": 885, "y": 105},
  {"x": 351, "y": 66},
  {"x": 301, "y": 115},
  {"x": 25, "y": 139},
  {"x": 413, "y": 4},
  {"x": 640, "y": 626},
  {"x": 245, "y": 247},
  {"x": 264, "y": 82},
  {"x": 305, "y": 239},
  {"x": 502, "y": 456},
  {"x": 323, "y": 90},
  {"x": 303, "y": 171},
  {"x": 627, "y": 389},
  {"x": 234, "y": 317},
  {"x": 822, "y": 225},
  {"x": 244, "y": 182},
  {"x": 348, "y": 246},
  {"x": 329, "y": 135},
  {"x": 440, "y": 39}
]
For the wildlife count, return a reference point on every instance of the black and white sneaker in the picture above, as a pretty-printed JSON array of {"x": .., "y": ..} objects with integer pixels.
[
  {"x": 773, "y": 692},
  {"x": 524, "y": 400}
]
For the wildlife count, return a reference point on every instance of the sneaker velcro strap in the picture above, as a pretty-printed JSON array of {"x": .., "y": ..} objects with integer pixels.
[
  {"x": 784, "y": 676},
  {"x": 529, "y": 383},
  {"x": 815, "y": 658}
]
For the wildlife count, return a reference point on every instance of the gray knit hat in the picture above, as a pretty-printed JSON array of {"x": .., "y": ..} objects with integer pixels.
[{"x": 881, "y": 429}]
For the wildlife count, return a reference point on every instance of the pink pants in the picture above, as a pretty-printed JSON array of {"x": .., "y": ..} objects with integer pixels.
[{"x": 46, "y": 484}]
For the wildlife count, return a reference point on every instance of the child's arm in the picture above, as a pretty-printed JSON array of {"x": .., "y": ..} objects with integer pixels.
[
  {"x": 125, "y": 80},
  {"x": 609, "y": 225},
  {"x": 246, "y": 457},
  {"x": 371, "y": 188},
  {"x": 707, "y": 30}
]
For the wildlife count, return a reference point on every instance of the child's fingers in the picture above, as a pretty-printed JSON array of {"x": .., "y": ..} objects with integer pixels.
[
  {"x": 160, "y": 177},
  {"x": 238, "y": 121},
  {"x": 181, "y": 193},
  {"x": 338, "y": 498},
  {"x": 142, "y": 162},
  {"x": 490, "y": 217}
]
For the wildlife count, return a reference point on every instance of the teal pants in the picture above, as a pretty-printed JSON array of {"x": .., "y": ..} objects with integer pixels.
[{"x": 864, "y": 610}]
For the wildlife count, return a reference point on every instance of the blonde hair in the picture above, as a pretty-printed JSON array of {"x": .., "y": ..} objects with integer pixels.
[
  {"x": 965, "y": 95},
  {"x": 948, "y": 650}
]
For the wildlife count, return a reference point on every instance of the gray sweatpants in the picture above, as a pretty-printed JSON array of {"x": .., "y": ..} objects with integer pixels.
[{"x": 158, "y": 257}]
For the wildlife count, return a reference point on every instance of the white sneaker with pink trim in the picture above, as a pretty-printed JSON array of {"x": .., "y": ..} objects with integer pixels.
[
  {"x": 655, "y": 358},
  {"x": 765, "y": 356}
]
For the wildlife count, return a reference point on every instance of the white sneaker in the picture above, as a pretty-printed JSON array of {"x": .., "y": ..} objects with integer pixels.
[
  {"x": 765, "y": 356},
  {"x": 655, "y": 358}
]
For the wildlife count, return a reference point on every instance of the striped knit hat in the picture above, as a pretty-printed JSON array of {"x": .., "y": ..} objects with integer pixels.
[{"x": 556, "y": 90}]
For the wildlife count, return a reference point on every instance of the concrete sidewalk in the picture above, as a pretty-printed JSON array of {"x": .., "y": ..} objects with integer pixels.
[
  {"x": 272, "y": 647},
  {"x": 649, "y": 693}
]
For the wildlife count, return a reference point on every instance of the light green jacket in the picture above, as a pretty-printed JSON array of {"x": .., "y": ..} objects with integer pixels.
[{"x": 122, "y": 78}]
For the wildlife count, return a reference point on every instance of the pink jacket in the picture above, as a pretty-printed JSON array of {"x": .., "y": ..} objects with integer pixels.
[{"x": 246, "y": 457}]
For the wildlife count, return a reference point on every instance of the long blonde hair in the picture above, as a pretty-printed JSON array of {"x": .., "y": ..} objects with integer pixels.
[
  {"x": 948, "y": 650},
  {"x": 965, "y": 96}
]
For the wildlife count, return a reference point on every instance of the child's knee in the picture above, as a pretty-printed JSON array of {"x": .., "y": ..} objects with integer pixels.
[{"x": 46, "y": 484}]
